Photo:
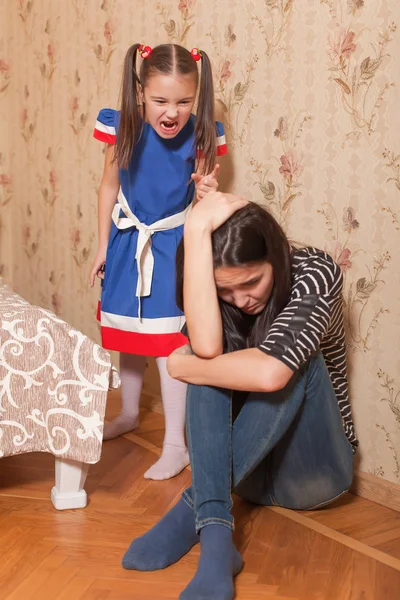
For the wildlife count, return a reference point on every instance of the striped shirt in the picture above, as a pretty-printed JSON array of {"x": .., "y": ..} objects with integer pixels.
[{"x": 313, "y": 320}]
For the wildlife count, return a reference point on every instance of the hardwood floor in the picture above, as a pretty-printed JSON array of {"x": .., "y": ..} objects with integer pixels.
[{"x": 349, "y": 551}]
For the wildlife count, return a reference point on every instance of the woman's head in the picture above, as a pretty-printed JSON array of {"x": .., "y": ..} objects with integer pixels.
[
  {"x": 166, "y": 86},
  {"x": 252, "y": 270}
]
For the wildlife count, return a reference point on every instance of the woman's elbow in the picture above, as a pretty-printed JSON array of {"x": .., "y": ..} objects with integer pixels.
[
  {"x": 273, "y": 382},
  {"x": 207, "y": 351}
]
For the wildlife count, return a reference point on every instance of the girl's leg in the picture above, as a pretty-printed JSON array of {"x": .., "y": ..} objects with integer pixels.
[
  {"x": 132, "y": 369},
  {"x": 174, "y": 457}
]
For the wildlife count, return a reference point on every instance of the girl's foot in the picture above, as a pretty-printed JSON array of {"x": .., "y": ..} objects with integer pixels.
[
  {"x": 171, "y": 462},
  {"x": 120, "y": 425}
]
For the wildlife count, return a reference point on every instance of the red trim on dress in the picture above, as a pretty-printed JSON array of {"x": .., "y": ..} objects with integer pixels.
[{"x": 145, "y": 344}]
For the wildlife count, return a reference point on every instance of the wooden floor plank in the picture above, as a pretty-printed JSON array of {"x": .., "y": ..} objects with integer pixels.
[{"x": 348, "y": 551}]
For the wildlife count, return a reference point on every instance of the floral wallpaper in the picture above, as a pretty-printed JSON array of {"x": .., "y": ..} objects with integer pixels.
[{"x": 308, "y": 91}]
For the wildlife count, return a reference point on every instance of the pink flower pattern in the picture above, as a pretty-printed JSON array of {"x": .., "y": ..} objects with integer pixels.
[
  {"x": 4, "y": 67},
  {"x": 341, "y": 46},
  {"x": 185, "y": 5},
  {"x": 225, "y": 72},
  {"x": 26, "y": 234},
  {"x": 108, "y": 32},
  {"x": 50, "y": 53},
  {"x": 291, "y": 167},
  {"x": 5, "y": 179},
  {"x": 75, "y": 238},
  {"x": 340, "y": 255},
  {"x": 24, "y": 117},
  {"x": 53, "y": 180},
  {"x": 56, "y": 302},
  {"x": 74, "y": 104}
]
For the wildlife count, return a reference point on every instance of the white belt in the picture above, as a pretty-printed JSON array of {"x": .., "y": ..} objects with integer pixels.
[{"x": 144, "y": 255}]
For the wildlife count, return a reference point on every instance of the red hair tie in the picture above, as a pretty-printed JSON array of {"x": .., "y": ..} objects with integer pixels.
[
  {"x": 196, "y": 54},
  {"x": 144, "y": 51}
]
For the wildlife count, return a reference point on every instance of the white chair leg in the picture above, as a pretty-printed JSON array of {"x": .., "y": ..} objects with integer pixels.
[{"x": 70, "y": 479}]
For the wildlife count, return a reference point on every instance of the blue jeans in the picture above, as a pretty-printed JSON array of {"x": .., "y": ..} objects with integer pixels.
[{"x": 287, "y": 448}]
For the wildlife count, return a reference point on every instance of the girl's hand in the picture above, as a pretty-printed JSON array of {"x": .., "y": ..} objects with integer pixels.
[
  {"x": 98, "y": 266},
  {"x": 206, "y": 183},
  {"x": 213, "y": 211}
]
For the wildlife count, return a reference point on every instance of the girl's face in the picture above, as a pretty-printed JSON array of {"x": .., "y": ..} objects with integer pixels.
[
  {"x": 248, "y": 287},
  {"x": 169, "y": 101}
]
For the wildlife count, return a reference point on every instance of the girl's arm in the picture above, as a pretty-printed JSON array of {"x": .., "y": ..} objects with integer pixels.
[
  {"x": 200, "y": 298},
  {"x": 108, "y": 194},
  {"x": 205, "y": 183}
]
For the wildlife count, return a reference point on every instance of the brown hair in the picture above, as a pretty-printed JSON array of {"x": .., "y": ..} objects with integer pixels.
[
  {"x": 249, "y": 236},
  {"x": 167, "y": 59}
]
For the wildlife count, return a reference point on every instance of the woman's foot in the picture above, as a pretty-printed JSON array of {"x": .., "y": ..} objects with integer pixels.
[
  {"x": 171, "y": 462},
  {"x": 166, "y": 543},
  {"x": 120, "y": 425},
  {"x": 219, "y": 563}
]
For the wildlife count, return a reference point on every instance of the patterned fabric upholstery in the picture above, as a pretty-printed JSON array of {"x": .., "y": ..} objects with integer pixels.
[{"x": 53, "y": 384}]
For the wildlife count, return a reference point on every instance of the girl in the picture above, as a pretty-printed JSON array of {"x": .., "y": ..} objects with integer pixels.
[
  {"x": 149, "y": 165},
  {"x": 267, "y": 319}
]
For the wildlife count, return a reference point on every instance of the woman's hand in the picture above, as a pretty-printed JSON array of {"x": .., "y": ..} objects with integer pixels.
[
  {"x": 186, "y": 350},
  {"x": 98, "y": 266},
  {"x": 175, "y": 359},
  {"x": 213, "y": 211},
  {"x": 206, "y": 183}
]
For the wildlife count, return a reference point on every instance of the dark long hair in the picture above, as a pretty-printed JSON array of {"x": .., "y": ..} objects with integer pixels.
[
  {"x": 250, "y": 235},
  {"x": 167, "y": 59}
]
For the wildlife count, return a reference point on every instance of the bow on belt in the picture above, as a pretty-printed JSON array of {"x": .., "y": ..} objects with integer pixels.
[{"x": 144, "y": 255}]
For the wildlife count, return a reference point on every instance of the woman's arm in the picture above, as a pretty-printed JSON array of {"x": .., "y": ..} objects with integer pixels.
[
  {"x": 200, "y": 298},
  {"x": 249, "y": 370},
  {"x": 108, "y": 194},
  {"x": 203, "y": 316},
  {"x": 296, "y": 333}
]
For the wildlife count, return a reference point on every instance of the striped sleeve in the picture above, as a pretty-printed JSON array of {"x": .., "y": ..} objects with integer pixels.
[
  {"x": 300, "y": 328},
  {"x": 220, "y": 141},
  {"x": 104, "y": 130}
]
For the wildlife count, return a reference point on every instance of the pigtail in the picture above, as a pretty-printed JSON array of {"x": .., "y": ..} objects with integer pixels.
[
  {"x": 130, "y": 123},
  {"x": 205, "y": 121}
]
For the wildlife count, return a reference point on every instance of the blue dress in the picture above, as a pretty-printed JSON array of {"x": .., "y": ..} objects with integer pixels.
[{"x": 156, "y": 185}]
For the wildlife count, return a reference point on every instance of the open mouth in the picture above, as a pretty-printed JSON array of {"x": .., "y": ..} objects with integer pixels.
[{"x": 169, "y": 127}]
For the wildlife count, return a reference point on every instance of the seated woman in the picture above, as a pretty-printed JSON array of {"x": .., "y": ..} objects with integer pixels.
[{"x": 266, "y": 319}]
